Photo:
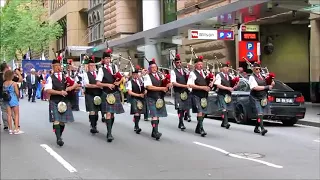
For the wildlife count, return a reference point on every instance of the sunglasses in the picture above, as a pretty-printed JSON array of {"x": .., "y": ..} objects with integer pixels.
[
  {"x": 178, "y": 62},
  {"x": 257, "y": 69}
]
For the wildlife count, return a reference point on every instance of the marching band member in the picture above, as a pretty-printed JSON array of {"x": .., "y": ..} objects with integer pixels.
[
  {"x": 92, "y": 96},
  {"x": 258, "y": 96},
  {"x": 223, "y": 83},
  {"x": 137, "y": 92},
  {"x": 155, "y": 98},
  {"x": 200, "y": 90},
  {"x": 182, "y": 99},
  {"x": 59, "y": 105},
  {"x": 111, "y": 103},
  {"x": 142, "y": 74}
]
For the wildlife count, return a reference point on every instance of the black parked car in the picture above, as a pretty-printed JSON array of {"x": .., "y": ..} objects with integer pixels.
[{"x": 286, "y": 105}]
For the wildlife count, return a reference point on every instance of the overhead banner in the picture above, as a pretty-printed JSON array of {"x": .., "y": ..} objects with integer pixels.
[{"x": 27, "y": 65}]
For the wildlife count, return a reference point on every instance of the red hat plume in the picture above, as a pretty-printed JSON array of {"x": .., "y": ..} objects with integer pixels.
[
  {"x": 258, "y": 62},
  {"x": 59, "y": 58},
  {"x": 109, "y": 51},
  {"x": 92, "y": 57},
  {"x": 138, "y": 67},
  {"x": 178, "y": 56},
  {"x": 228, "y": 63},
  {"x": 200, "y": 57},
  {"x": 153, "y": 59}
]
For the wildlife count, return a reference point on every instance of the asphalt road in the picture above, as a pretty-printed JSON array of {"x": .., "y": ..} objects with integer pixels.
[{"x": 237, "y": 153}]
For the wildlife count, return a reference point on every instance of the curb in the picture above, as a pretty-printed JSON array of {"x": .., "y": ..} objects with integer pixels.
[{"x": 309, "y": 123}]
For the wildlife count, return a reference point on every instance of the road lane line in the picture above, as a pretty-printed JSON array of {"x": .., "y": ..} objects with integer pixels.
[
  {"x": 237, "y": 156},
  {"x": 317, "y": 140},
  {"x": 58, "y": 158}
]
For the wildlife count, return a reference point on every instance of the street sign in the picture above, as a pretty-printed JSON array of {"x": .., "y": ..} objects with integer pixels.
[
  {"x": 203, "y": 34},
  {"x": 225, "y": 35},
  {"x": 250, "y": 55},
  {"x": 250, "y": 46},
  {"x": 248, "y": 50},
  {"x": 250, "y": 28}
]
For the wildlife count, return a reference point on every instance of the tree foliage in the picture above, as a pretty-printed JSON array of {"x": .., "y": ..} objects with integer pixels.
[{"x": 24, "y": 24}]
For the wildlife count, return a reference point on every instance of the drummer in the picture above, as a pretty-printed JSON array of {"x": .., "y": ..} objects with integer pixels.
[
  {"x": 137, "y": 92},
  {"x": 92, "y": 96}
]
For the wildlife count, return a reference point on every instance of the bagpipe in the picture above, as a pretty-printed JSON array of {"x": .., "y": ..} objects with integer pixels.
[
  {"x": 117, "y": 76},
  {"x": 164, "y": 77},
  {"x": 269, "y": 76}
]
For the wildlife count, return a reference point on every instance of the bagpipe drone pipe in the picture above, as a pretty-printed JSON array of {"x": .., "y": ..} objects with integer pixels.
[{"x": 269, "y": 76}]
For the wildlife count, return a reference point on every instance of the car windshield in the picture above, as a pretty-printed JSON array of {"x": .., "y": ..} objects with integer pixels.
[{"x": 281, "y": 86}]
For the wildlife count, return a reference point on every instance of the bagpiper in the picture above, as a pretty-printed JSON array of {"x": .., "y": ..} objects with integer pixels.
[
  {"x": 60, "y": 111},
  {"x": 109, "y": 78},
  {"x": 92, "y": 95},
  {"x": 155, "y": 97},
  {"x": 137, "y": 93},
  {"x": 182, "y": 98},
  {"x": 200, "y": 90},
  {"x": 225, "y": 87},
  {"x": 258, "y": 96}
]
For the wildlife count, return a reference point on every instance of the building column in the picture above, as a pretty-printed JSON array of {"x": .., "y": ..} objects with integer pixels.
[
  {"x": 151, "y": 19},
  {"x": 315, "y": 58}
]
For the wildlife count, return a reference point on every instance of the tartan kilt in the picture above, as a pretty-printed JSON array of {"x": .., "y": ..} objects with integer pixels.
[
  {"x": 196, "y": 105},
  {"x": 54, "y": 114},
  {"x": 182, "y": 105},
  {"x": 90, "y": 106},
  {"x": 116, "y": 108},
  {"x": 222, "y": 104},
  {"x": 256, "y": 103},
  {"x": 153, "y": 111},
  {"x": 134, "y": 109}
]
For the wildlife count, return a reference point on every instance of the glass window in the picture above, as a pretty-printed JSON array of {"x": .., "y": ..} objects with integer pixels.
[
  {"x": 99, "y": 31},
  {"x": 243, "y": 86},
  {"x": 170, "y": 11},
  {"x": 281, "y": 86}
]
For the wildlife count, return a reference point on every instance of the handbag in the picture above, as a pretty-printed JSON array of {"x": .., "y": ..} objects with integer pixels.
[{"x": 6, "y": 94}]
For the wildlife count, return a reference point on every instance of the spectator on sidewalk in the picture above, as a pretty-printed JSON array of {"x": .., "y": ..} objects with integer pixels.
[{"x": 17, "y": 78}]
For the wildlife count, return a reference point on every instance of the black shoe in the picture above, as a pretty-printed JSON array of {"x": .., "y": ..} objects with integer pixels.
[
  {"x": 60, "y": 142},
  {"x": 33, "y": 100},
  {"x": 110, "y": 137},
  {"x": 94, "y": 130},
  {"x": 156, "y": 135},
  {"x": 202, "y": 132},
  {"x": 5, "y": 128},
  {"x": 137, "y": 130},
  {"x": 181, "y": 126},
  {"x": 227, "y": 126},
  {"x": 103, "y": 120},
  {"x": 263, "y": 132},
  {"x": 257, "y": 130}
]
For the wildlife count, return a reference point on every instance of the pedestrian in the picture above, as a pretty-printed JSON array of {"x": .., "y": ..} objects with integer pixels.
[
  {"x": 155, "y": 97},
  {"x": 137, "y": 92},
  {"x": 11, "y": 99},
  {"x": 259, "y": 96},
  {"x": 17, "y": 78},
  {"x": 60, "y": 111},
  {"x": 200, "y": 90},
  {"x": 182, "y": 98},
  {"x": 109, "y": 78},
  {"x": 32, "y": 84},
  {"x": 92, "y": 96}
]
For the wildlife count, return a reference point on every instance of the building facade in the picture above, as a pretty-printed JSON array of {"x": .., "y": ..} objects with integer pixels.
[
  {"x": 95, "y": 22},
  {"x": 73, "y": 17}
]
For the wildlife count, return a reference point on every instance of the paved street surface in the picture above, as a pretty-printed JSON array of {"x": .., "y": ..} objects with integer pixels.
[{"x": 238, "y": 153}]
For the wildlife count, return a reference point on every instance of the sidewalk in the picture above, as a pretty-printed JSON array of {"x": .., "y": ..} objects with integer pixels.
[{"x": 311, "y": 118}]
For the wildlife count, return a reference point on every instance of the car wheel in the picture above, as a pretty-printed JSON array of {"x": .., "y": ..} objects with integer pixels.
[
  {"x": 290, "y": 122},
  {"x": 240, "y": 115}
]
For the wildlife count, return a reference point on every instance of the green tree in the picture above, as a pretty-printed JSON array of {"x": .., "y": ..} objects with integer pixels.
[{"x": 24, "y": 24}]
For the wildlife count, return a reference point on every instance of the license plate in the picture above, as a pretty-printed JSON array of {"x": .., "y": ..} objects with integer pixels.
[{"x": 284, "y": 100}]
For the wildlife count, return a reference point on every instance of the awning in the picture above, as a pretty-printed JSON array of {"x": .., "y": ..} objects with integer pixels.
[
  {"x": 72, "y": 51},
  {"x": 176, "y": 27}
]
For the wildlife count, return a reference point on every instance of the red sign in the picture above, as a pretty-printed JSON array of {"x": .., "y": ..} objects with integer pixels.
[
  {"x": 194, "y": 34},
  {"x": 225, "y": 35},
  {"x": 248, "y": 50}
]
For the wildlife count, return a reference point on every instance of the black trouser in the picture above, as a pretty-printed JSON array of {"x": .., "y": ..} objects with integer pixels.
[{"x": 32, "y": 92}]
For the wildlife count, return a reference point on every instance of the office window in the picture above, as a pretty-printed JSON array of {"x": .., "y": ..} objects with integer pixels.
[
  {"x": 99, "y": 31},
  {"x": 170, "y": 11}
]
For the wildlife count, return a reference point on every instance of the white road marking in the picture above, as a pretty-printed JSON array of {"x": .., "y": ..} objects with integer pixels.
[
  {"x": 317, "y": 140},
  {"x": 58, "y": 158},
  {"x": 237, "y": 156}
]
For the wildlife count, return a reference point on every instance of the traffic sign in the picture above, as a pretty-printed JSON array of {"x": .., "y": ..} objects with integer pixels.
[
  {"x": 248, "y": 50},
  {"x": 250, "y": 46},
  {"x": 250, "y": 55},
  {"x": 225, "y": 35}
]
